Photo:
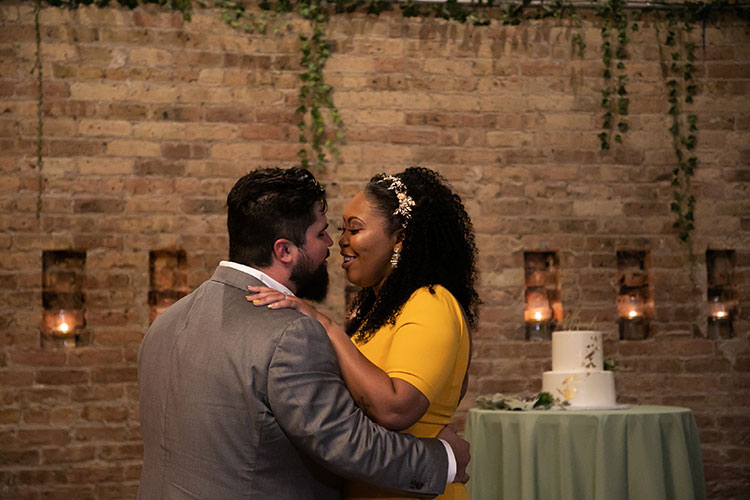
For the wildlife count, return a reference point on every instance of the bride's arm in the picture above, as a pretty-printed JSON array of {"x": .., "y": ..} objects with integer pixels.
[{"x": 391, "y": 402}]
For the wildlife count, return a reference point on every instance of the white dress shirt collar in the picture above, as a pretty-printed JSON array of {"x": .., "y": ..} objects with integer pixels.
[{"x": 263, "y": 277}]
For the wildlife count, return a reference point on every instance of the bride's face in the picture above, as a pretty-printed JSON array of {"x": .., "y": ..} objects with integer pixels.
[{"x": 366, "y": 244}]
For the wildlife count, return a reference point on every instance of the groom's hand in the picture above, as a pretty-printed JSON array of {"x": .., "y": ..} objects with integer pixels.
[{"x": 460, "y": 450}]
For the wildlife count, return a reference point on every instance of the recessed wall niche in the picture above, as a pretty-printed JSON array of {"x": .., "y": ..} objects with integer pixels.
[
  {"x": 168, "y": 280},
  {"x": 543, "y": 306},
  {"x": 63, "y": 300},
  {"x": 634, "y": 299},
  {"x": 722, "y": 296}
]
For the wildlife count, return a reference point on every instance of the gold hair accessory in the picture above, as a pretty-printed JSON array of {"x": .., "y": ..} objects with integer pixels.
[{"x": 405, "y": 202}]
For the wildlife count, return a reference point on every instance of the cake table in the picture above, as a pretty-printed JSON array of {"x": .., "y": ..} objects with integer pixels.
[{"x": 638, "y": 453}]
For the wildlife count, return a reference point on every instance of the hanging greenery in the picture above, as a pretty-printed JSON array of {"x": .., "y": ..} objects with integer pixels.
[
  {"x": 183, "y": 6},
  {"x": 315, "y": 94},
  {"x": 39, "y": 108},
  {"x": 678, "y": 69},
  {"x": 318, "y": 114},
  {"x": 677, "y": 58},
  {"x": 236, "y": 16},
  {"x": 615, "y": 101}
]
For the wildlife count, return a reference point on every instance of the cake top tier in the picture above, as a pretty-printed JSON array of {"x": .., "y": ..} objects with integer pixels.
[{"x": 577, "y": 351}]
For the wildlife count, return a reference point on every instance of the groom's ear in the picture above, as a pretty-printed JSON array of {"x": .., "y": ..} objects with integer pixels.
[{"x": 285, "y": 251}]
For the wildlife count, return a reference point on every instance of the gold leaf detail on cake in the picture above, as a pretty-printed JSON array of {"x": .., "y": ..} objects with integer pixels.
[
  {"x": 568, "y": 392},
  {"x": 592, "y": 348}
]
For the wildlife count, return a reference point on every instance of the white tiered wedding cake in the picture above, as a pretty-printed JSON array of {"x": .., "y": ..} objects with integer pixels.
[{"x": 578, "y": 375}]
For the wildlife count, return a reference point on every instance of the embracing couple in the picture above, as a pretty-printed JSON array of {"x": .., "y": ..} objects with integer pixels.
[{"x": 247, "y": 391}]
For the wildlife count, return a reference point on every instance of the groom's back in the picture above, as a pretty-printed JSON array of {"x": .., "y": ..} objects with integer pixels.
[{"x": 207, "y": 427}]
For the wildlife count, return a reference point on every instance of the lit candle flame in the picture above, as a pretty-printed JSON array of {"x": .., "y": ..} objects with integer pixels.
[
  {"x": 632, "y": 314},
  {"x": 538, "y": 316},
  {"x": 63, "y": 327},
  {"x": 721, "y": 314}
]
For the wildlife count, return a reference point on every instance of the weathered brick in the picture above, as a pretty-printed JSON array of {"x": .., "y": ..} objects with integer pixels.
[
  {"x": 133, "y": 148},
  {"x": 148, "y": 121},
  {"x": 731, "y": 70},
  {"x": 104, "y": 128},
  {"x": 152, "y": 93},
  {"x": 76, "y": 147},
  {"x": 86, "y": 91},
  {"x": 20, "y": 457},
  {"x": 203, "y": 206},
  {"x": 235, "y": 151},
  {"x": 350, "y": 64},
  {"x": 98, "y": 205},
  {"x": 280, "y": 152},
  {"x": 151, "y": 57},
  {"x": 262, "y": 132},
  {"x": 38, "y": 358},
  {"x": 61, "y": 377},
  {"x": 58, "y": 437},
  {"x": 94, "y": 356},
  {"x": 231, "y": 114},
  {"x": 124, "y": 111},
  {"x": 114, "y": 375},
  {"x": 105, "y": 166}
]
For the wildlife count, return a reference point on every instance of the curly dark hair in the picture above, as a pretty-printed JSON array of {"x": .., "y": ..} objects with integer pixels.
[
  {"x": 268, "y": 204},
  {"x": 438, "y": 249}
]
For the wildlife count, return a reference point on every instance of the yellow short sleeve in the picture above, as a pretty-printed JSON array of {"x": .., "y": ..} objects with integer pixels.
[{"x": 426, "y": 341}]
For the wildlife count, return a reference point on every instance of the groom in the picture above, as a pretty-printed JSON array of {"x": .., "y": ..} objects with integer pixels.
[{"x": 247, "y": 402}]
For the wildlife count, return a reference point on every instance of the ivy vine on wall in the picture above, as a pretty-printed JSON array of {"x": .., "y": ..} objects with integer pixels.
[
  {"x": 678, "y": 69},
  {"x": 320, "y": 124},
  {"x": 39, "y": 108},
  {"x": 615, "y": 101}
]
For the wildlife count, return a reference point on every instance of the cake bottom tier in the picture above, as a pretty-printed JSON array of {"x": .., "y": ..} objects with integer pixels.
[{"x": 587, "y": 389}]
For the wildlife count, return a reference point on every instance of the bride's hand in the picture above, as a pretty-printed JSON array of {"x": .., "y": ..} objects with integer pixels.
[{"x": 273, "y": 299}]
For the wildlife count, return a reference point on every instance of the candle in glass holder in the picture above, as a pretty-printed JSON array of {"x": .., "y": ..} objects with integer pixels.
[
  {"x": 538, "y": 316},
  {"x": 633, "y": 321},
  {"x": 719, "y": 320},
  {"x": 61, "y": 327}
]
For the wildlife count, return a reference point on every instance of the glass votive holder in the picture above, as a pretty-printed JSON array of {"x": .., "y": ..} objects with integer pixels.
[
  {"x": 720, "y": 327},
  {"x": 539, "y": 330},
  {"x": 719, "y": 320},
  {"x": 62, "y": 328},
  {"x": 634, "y": 328}
]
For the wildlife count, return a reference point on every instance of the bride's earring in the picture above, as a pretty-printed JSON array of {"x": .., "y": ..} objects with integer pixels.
[{"x": 395, "y": 257}]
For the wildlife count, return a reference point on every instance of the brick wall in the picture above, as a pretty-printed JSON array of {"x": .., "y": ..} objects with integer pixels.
[{"x": 149, "y": 120}]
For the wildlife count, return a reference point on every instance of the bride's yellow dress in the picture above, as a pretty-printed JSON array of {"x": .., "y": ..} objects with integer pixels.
[{"x": 428, "y": 347}]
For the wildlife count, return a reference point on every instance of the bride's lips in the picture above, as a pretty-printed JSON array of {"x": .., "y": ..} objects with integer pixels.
[{"x": 347, "y": 260}]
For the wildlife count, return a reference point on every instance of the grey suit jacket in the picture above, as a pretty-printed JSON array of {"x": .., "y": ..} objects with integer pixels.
[{"x": 245, "y": 402}]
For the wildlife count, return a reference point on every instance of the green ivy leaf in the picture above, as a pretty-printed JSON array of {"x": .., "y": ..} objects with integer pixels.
[{"x": 622, "y": 105}]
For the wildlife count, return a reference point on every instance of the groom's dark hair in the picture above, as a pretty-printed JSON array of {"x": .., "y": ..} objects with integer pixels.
[{"x": 268, "y": 204}]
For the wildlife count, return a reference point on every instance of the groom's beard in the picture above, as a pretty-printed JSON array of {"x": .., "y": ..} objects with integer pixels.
[{"x": 312, "y": 283}]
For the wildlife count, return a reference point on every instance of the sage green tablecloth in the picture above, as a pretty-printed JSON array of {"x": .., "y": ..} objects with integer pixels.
[{"x": 640, "y": 453}]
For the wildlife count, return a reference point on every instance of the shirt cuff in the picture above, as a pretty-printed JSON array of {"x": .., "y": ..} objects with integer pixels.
[{"x": 451, "y": 462}]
